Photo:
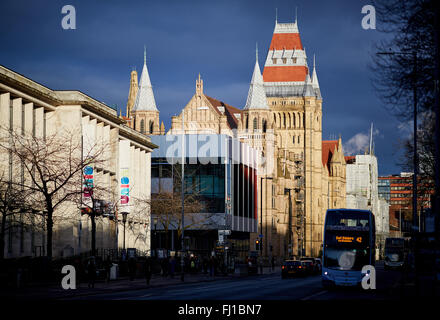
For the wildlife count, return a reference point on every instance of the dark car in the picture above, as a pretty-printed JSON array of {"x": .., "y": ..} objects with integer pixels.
[
  {"x": 318, "y": 265},
  {"x": 292, "y": 268},
  {"x": 313, "y": 265},
  {"x": 309, "y": 266}
]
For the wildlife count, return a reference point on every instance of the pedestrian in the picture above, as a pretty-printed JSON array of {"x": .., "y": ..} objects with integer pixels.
[
  {"x": 132, "y": 268},
  {"x": 107, "y": 265},
  {"x": 91, "y": 270},
  {"x": 211, "y": 266},
  {"x": 205, "y": 265},
  {"x": 148, "y": 270},
  {"x": 172, "y": 267}
]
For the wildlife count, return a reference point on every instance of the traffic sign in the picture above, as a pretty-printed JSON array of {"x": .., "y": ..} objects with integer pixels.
[{"x": 260, "y": 235}]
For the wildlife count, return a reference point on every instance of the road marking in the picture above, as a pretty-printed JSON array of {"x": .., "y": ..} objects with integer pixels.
[{"x": 315, "y": 295}]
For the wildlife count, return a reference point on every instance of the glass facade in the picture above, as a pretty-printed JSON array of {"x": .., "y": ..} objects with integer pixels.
[
  {"x": 384, "y": 189},
  {"x": 204, "y": 181}
]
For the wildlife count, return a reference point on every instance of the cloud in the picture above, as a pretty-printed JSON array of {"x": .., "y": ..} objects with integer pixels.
[{"x": 359, "y": 142}]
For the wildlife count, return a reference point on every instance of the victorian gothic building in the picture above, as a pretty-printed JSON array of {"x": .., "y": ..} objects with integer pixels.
[{"x": 299, "y": 175}]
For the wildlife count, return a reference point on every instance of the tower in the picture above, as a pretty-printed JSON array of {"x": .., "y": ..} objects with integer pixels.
[
  {"x": 132, "y": 93},
  {"x": 144, "y": 115},
  {"x": 295, "y": 102}
]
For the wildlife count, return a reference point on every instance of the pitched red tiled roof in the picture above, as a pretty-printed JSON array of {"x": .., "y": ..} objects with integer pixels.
[
  {"x": 229, "y": 111},
  {"x": 328, "y": 148},
  {"x": 285, "y": 73},
  {"x": 288, "y": 41}
]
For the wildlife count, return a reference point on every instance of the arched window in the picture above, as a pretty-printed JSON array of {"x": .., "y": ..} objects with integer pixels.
[
  {"x": 289, "y": 124},
  {"x": 284, "y": 122},
  {"x": 275, "y": 119},
  {"x": 151, "y": 127},
  {"x": 304, "y": 121},
  {"x": 255, "y": 124},
  {"x": 142, "y": 126},
  {"x": 247, "y": 122},
  {"x": 294, "y": 120},
  {"x": 264, "y": 125}
]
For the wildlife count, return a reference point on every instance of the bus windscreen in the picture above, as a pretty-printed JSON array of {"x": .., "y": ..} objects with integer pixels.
[{"x": 352, "y": 220}]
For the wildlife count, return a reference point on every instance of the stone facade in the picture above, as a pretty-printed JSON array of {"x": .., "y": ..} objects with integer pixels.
[
  {"x": 300, "y": 176},
  {"x": 28, "y": 107}
]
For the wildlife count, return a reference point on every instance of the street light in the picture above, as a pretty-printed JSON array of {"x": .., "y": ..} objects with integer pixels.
[
  {"x": 155, "y": 234},
  {"x": 124, "y": 220},
  {"x": 415, "y": 156},
  {"x": 182, "y": 259}
]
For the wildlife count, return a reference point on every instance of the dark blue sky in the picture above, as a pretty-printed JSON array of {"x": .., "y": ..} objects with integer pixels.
[{"x": 215, "y": 38}]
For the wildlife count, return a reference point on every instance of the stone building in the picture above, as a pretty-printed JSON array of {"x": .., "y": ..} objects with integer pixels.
[
  {"x": 37, "y": 111},
  {"x": 299, "y": 175},
  {"x": 141, "y": 112}
]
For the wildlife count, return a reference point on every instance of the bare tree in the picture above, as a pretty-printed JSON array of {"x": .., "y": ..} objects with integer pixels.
[
  {"x": 52, "y": 167},
  {"x": 13, "y": 205},
  {"x": 408, "y": 27}
]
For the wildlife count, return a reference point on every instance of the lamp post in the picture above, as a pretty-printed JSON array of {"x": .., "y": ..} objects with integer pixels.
[
  {"x": 261, "y": 216},
  {"x": 155, "y": 235},
  {"x": 415, "y": 156},
  {"x": 182, "y": 260},
  {"x": 124, "y": 221}
]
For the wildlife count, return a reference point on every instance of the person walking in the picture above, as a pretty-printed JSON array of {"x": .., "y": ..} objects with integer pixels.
[
  {"x": 172, "y": 267},
  {"x": 132, "y": 268},
  {"x": 148, "y": 270},
  {"x": 211, "y": 266},
  {"x": 108, "y": 265},
  {"x": 91, "y": 270}
]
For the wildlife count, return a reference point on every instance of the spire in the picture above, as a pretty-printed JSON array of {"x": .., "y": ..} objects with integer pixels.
[
  {"x": 296, "y": 15},
  {"x": 256, "y": 98},
  {"x": 199, "y": 86},
  {"x": 256, "y": 51},
  {"x": 308, "y": 88},
  {"x": 315, "y": 82},
  {"x": 145, "y": 96},
  {"x": 276, "y": 16}
]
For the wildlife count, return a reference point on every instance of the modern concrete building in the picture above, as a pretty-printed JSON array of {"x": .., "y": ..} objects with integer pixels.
[
  {"x": 122, "y": 169},
  {"x": 363, "y": 193},
  {"x": 221, "y": 175}
]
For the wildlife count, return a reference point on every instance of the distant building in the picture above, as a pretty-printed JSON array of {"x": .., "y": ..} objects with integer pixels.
[
  {"x": 362, "y": 192},
  {"x": 398, "y": 190}
]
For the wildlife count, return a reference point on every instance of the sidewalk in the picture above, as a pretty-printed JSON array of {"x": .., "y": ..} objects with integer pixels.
[{"x": 119, "y": 285}]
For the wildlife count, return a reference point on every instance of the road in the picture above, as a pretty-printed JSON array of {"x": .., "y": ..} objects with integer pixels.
[{"x": 260, "y": 287}]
